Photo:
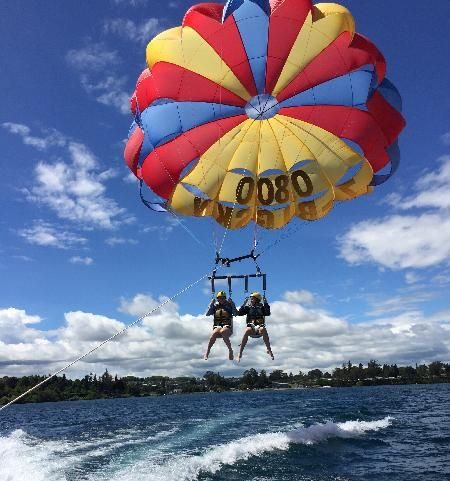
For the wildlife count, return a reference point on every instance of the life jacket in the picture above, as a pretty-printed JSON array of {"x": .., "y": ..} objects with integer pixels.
[
  {"x": 255, "y": 315},
  {"x": 222, "y": 317}
]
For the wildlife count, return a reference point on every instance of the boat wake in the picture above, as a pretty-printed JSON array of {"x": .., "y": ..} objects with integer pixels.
[{"x": 24, "y": 457}]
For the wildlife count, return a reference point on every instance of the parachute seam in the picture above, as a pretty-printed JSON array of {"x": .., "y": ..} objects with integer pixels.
[
  {"x": 235, "y": 200},
  {"x": 343, "y": 160},
  {"x": 317, "y": 163},
  {"x": 332, "y": 186},
  {"x": 282, "y": 156}
]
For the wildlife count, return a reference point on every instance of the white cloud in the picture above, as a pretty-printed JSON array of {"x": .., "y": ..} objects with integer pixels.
[
  {"x": 142, "y": 32},
  {"x": 108, "y": 174},
  {"x": 14, "y": 326},
  {"x": 164, "y": 229},
  {"x": 171, "y": 343},
  {"x": 48, "y": 138},
  {"x": 301, "y": 297},
  {"x": 97, "y": 67},
  {"x": 93, "y": 57},
  {"x": 399, "y": 242},
  {"x": 88, "y": 327},
  {"x": 115, "y": 241},
  {"x": 18, "y": 129},
  {"x": 82, "y": 157},
  {"x": 446, "y": 138},
  {"x": 411, "y": 278},
  {"x": 442, "y": 278},
  {"x": 432, "y": 189},
  {"x": 23, "y": 258},
  {"x": 132, "y": 3},
  {"x": 87, "y": 261},
  {"x": 409, "y": 241},
  {"x": 75, "y": 190},
  {"x": 110, "y": 91},
  {"x": 46, "y": 235},
  {"x": 400, "y": 303},
  {"x": 130, "y": 178},
  {"x": 142, "y": 304}
]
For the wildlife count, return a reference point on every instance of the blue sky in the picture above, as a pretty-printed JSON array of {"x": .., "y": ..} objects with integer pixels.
[{"x": 81, "y": 257}]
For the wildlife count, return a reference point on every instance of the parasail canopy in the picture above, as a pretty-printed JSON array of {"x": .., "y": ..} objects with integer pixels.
[{"x": 263, "y": 110}]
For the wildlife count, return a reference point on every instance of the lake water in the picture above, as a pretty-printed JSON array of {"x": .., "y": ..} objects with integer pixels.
[{"x": 398, "y": 433}]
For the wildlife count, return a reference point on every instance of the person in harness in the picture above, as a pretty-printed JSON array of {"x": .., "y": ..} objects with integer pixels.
[
  {"x": 256, "y": 313},
  {"x": 223, "y": 311}
]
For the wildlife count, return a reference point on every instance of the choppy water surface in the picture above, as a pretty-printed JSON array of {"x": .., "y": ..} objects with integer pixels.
[{"x": 373, "y": 433}]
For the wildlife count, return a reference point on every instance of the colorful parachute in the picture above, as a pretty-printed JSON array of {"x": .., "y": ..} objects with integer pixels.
[{"x": 263, "y": 110}]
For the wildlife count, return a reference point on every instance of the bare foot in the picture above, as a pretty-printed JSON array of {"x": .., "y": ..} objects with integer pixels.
[
  {"x": 205, "y": 357},
  {"x": 270, "y": 354},
  {"x": 230, "y": 354},
  {"x": 238, "y": 358}
]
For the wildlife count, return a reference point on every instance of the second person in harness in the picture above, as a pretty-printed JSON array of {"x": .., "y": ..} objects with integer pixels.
[{"x": 256, "y": 312}]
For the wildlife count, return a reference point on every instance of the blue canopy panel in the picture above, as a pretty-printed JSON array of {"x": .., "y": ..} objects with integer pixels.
[
  {"x": 390, "y": 93},
  {"x": 252, "y": 20},
  {"x": 394, "y": 156},
  {"x": 351, "y": 90},
  {"x": 164, "y": 121},
  {"x": 232, "y": 5},
  {"x": 146, "y": 148}
]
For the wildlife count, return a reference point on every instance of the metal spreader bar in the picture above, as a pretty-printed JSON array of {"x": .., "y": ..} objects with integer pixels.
[
  {"x": 246, "y": 277},
  {"x": 226, "y": 261}
]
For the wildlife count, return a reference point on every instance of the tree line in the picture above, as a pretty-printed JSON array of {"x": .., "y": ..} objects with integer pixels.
[{"x": 92, "y": 386}]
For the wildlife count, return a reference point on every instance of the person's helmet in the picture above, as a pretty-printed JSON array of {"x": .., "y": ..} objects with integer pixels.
[
  {"x": 221, "y": 294},
  {"x": 257, "y": 295}
]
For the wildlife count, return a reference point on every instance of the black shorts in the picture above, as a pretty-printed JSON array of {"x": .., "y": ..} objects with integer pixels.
[{"x": 230, "y": 327}]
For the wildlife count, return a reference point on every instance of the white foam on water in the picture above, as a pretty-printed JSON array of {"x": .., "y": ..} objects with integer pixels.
[
  {"x": 23, "y": 457},
  {"x": 360, "y": 427},
  {"x": 115, "y": 441},
  {"x": 349, "y": 429},
  {"x": 188, "y": 467}
]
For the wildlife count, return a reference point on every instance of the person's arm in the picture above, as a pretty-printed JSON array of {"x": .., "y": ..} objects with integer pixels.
[
  {"x": 243, "y": 310},
  {"x": 266, "y": 308},
  {"x": 211, "y": 308},
  {"x": 234, "y": 311}
]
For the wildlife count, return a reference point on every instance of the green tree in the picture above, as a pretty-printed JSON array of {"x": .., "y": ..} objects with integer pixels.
[
  {"x": 278, "y": 376},
  {"x": 436, "y": 368},
  {"x": 422, "y": 371},
  {"x": 263, "y": 380},
  {"x": 250, "y": 378},
  {"x": 374, "y": 369}
]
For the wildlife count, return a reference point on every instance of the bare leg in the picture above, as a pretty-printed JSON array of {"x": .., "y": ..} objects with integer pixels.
[
  {"x": 226, "y": 333},
  {"x": 247, "y": 332},
  {"x": 212, "y": 340},
  {"x": 266, "y": 339}
]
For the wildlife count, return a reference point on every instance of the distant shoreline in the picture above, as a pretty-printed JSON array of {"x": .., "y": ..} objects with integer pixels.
[
  {"x": 294, "y": 388},
  {"x": 109, "y": 387},
  {"x": 277, "y": 389}
]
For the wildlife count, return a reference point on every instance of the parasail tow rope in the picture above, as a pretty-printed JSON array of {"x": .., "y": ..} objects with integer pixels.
[{"x": 119, "y": 333}]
